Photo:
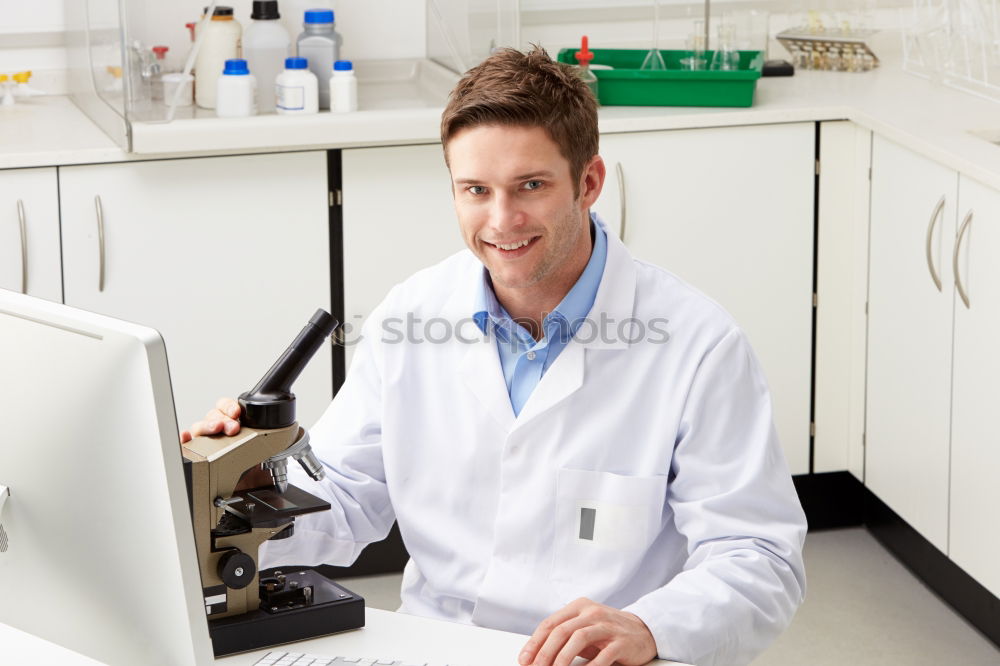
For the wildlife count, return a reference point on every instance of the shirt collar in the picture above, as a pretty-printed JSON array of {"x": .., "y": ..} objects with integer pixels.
[
  {"x": 573, "y": 307},
  {"x": 487, "y": 306}
]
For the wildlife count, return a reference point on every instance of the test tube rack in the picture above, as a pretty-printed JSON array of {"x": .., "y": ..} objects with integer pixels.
[{"x": 831, "y": 50}]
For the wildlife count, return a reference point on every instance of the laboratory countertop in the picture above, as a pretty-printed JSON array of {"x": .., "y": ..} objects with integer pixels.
[
  {"x": 386, "y": 635},
  {"x": 939, "y": 122}
]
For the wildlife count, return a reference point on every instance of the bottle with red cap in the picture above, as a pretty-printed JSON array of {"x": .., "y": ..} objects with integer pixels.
[
  {"x": 583, "y": 58},
  {"x": 158, "y": 69}
]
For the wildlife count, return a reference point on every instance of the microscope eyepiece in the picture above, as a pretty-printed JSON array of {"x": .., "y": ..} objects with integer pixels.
[{"x": 271, "y": 404}]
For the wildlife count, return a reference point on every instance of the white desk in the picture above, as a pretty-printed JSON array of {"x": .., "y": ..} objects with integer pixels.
[
  {"x": 386, "y": 634},
  {"x": 408, "y": 638},
  {"x": 18, "y": 647}
]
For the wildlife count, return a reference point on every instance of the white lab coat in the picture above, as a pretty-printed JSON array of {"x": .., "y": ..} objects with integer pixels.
[{"x": 692, "y": 521}]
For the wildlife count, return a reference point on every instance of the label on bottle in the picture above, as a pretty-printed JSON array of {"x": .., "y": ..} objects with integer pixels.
[{"x": 290, "y": 98}]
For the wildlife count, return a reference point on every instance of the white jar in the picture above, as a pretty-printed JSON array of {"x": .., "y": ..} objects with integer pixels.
[
  {"x": 296, "y": 90},
  {"x": 266, "y": 44},
  {"x": 343, "y": 88},
  {"x": 237, "y": 91},
  {"x": 221, "y": 42},
  {"x": 174, "y": 80}
]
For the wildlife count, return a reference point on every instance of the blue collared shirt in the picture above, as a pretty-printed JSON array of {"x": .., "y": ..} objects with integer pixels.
[{"x": 523, "y": 359}]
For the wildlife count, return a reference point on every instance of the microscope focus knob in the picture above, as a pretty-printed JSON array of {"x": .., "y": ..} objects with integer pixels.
[{"x": 237, "y": 569}]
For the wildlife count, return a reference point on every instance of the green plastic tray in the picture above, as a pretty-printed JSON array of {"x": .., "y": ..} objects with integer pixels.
[{"x": 627, "y": 85}]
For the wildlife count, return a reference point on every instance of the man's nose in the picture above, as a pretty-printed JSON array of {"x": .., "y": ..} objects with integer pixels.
[{"x": 506, "y": 213}]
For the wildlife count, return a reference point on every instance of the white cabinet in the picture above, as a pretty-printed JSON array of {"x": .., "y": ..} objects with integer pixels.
[
  {"x": 842, "y": 295},
  {"x": 29, "y": 233},
  {"x": 975, "y": 443},
  {"x": 730, "y": 210},
  {"x": 913, "y": 214},
  {"x": 398, "y": 218},
  {"x": 227, "y": 257}
]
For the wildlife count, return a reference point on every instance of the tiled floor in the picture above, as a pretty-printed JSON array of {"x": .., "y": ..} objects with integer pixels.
[{"x": 863, "y": 608}]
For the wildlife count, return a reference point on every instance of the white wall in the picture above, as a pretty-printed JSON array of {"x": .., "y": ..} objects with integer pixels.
[
  {"x": 32, "y": 37},
  {"x": 31, "y": 33},
  {"x": 34, "y": 16}
]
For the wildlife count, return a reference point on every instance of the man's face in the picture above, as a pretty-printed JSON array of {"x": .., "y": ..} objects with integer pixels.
[{"x": 515, "y": 202}]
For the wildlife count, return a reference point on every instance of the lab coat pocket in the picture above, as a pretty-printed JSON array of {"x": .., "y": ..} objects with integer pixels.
[{"x": 604, "y": 525}]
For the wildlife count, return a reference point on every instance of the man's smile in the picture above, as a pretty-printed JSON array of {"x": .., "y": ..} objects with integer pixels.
[{"x": 513, "y": 248}]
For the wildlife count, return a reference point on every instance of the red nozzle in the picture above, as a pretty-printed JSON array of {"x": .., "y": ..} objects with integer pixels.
[
  {"x": 190, "y": 27},
  {"x": 161, "y": 52},
  {"x": 584, "y": 55}
]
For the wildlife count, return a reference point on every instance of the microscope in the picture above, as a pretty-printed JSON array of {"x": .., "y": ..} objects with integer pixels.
[{"x": 247, "y": 609}]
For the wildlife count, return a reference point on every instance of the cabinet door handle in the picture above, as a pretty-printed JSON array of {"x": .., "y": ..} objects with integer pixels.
[
  {"x": 24, "y": 246},
  {"x": 100, "y": 241},
  {"x": 930, "y": 235},
  {"x": 621, "y": 197},
  {"x": 954, "y": 259}
]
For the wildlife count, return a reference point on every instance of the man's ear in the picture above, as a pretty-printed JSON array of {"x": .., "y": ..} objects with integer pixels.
[{"x": 592, "y": 181}]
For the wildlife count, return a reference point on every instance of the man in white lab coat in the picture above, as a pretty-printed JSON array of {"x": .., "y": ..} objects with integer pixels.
[{"x": 575, "y": 444}]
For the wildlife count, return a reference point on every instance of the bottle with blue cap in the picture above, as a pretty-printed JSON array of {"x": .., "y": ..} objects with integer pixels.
[
  {"x": 266, "y": 44},
  {"x": 343, "y": 87},
  {"x": 320, "y": 44},
  {"x": 236, "y": 92},
  {"x": 296, "y": 89}
]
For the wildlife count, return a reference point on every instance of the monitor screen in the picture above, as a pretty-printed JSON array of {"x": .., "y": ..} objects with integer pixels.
[{"x": 99, "y": 553}]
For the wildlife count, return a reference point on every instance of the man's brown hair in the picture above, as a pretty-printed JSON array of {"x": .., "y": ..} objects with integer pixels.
[{"x": 527, "y": 90}]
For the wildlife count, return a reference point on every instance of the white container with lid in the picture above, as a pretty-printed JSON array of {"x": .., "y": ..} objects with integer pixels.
[
  {"x": 296, "y": 90},
  {"x": 220, "y": 43},
  {"x": 266, "y": 44},
  {"x": 174, "y": 80},
  {"x": 320, "y": 44},
  {"x": 236, "y": 91},
  {"x": 343, "y": 88}
]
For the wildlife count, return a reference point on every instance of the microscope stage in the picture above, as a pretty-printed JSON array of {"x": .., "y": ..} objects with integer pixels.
[{"x": 266, "y": 506}]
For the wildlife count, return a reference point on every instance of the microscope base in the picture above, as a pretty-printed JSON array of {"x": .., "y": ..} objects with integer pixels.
[{"x": 333, "y": 609}]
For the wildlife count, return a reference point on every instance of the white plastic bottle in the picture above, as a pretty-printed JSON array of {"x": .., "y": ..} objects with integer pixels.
[
  {"x": 220, "y": 43},
  {"x": 319, "y": 43},
  {"x": 343, "y": 88},
  {"x": 266, "y": 44},
  {"x": 236, "y": 91},
  {"x": 296, "y": 89}
]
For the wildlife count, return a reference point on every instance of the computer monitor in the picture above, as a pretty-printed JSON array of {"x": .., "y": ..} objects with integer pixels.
[{"x": 99, "y": 555}]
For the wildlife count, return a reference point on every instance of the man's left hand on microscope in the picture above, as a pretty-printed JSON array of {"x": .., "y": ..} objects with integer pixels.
[{"x": 224, "y": 418}]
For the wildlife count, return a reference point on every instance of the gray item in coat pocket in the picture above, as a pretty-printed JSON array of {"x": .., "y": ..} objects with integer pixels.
[{"x": 587, "y": 519}]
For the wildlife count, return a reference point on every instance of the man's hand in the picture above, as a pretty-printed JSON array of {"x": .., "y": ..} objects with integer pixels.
[
  {"x": 224, "y": 418},
  {"x": 590, "y": 630}
]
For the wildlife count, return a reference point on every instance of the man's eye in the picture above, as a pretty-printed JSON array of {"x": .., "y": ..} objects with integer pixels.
[
  {"x": 477, "y": 189},
  {"x": 533, "y": 184}
]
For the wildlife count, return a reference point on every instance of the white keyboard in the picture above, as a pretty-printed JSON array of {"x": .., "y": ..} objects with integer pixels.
[{"x": 299, "y": 659}]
